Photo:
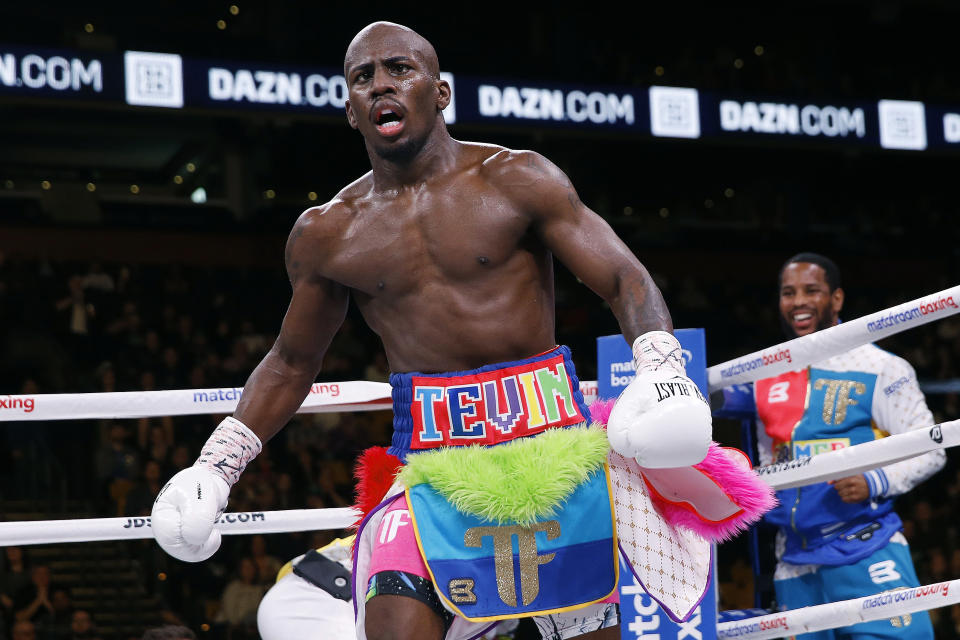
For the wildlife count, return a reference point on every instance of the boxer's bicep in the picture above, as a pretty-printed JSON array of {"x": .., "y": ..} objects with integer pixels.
[
  {"x": 277, "y": 386},
  {"x": 318, "y": 304},
  {"x": 316, "y": 311},
  {"x": 588, "y": 246}
]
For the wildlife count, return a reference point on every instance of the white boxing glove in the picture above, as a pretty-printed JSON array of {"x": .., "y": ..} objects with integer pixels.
[
  {"x": 187, "y": 508},
  {"x": 661, "y": 419}
]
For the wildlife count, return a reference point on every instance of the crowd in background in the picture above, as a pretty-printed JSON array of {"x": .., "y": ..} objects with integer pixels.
[{"x": 92, "y": 327}]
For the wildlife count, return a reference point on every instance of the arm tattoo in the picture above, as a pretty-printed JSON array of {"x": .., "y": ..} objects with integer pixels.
[
  {"x": 640, "y": 308},
  {"x": 548, "y": 169},
  {"x": 293, "y": 266}
]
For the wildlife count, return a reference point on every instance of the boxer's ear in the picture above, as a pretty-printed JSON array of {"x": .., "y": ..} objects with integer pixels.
[
  {"x": 351, "y": 117},
  {"x": 444, "y": 94}
]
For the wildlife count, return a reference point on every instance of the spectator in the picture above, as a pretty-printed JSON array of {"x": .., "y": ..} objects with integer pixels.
[
  {"x": 33, "y": 601},
  {"x": 169, "y": 632},
  {"x": 238, "y": 605},
  {"x": 75, "y": 309},
  {"x": 841, "y": 539},
  {"x": 154, "y": 439},
  {"x": 267, "y": 565},
  {"x": 82, "y": 626},
  {"x": 98, "y": 279},
  {"x": 141, "y": 496},
  {"x": 23, "y": 630},
  {"x": 62, "y": 612},
  {"x": 13, "y": 578},
  {"x": 116, "y": 464}
]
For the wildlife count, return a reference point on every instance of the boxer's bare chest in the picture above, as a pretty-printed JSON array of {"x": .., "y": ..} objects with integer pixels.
[{"x": 451, "y": 234}]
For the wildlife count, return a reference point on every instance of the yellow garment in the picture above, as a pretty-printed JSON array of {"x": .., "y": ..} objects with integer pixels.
[{"x": 338, "y": 550}]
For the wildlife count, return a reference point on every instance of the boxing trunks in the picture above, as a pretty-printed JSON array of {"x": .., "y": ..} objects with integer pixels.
[{"x": 529, "y": 522}]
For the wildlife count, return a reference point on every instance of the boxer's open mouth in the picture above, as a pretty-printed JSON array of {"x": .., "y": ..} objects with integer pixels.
[{"x": 388, "y": 119}]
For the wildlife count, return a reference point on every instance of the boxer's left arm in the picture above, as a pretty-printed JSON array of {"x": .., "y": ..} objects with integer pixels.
[{"x": 586, "y": 244}]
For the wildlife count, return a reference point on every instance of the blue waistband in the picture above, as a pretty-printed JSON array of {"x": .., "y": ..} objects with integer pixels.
[{"x": 489, "y": 405}]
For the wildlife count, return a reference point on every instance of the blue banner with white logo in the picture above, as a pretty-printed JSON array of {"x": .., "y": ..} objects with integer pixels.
[
  {"x": 640, "y": 615},
  {"x": 615, "y": 362}
]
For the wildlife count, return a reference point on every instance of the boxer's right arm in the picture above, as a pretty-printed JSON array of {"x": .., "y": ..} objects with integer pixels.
[
  {"x": 661, "y": 419},
  {"x": 188, "y": 506},
  {"x": 278, "y": 385}
]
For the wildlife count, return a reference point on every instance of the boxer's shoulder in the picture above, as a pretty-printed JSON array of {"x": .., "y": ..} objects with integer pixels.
[
  {"x": 510, "y": 165},
  {"x": 528, "y": 179},
  {"x": 322, "y": 222}
]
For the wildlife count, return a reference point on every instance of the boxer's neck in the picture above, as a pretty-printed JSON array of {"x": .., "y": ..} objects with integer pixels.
[{"x": 436, "y": 156}]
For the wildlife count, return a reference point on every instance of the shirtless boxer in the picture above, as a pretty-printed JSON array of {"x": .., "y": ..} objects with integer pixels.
[{"x": 447, "y": 249}]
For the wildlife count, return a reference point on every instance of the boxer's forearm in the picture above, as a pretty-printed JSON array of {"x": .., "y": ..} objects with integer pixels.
[
  {"x": 638, "y": 305},
  {"x": 273, "y": 393}
]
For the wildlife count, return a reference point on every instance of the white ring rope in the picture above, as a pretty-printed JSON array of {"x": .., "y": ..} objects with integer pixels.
[
  {"x": 138, "y": 528},
  {"x": 804, "y": 471},
  {"x": 324, "y": 397},
  {"x": 889, "y": 604},
  {"x": 840, "y": 463},
  {"x": 820, "y": 345},
  {"x": 355, "y": 395}
]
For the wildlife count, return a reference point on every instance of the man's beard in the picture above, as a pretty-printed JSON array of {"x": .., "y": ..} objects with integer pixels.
[
  {"x": 824, "y": 322},
  {"x": 403, "y": 152}
]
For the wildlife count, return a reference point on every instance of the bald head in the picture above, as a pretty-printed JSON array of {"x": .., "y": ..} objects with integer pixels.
[{"x": 380, "y": 37}]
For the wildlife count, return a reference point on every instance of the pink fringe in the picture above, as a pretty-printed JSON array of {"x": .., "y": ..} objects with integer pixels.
[
  {"x": 600, "y": 411},
  {"x": 730, "y": 469},
  {"x": 743, "y": 487}
]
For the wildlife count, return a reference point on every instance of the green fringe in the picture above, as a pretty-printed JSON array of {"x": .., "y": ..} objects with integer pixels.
[{"x": 521, "y": 481}]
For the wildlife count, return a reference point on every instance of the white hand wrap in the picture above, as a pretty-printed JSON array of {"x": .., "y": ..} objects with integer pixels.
[
  {"x": 661, "y": 418},
  {"x": 189, "y": 505},
  {"x": 658, "y": 351},
  {"x": 229, "y": 449}
]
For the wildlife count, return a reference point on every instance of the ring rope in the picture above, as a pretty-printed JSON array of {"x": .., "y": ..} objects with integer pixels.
[
  {"x": 324, "y": 397},
  {"x": 354, "y": 395},
  {"x": 889, "y": 604},
  {"x": 33, "y": 532},
  {"x": 820, "y": 345},
  {"x": 804, "y": 471},
  {"x": 840, "y": 463}
]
